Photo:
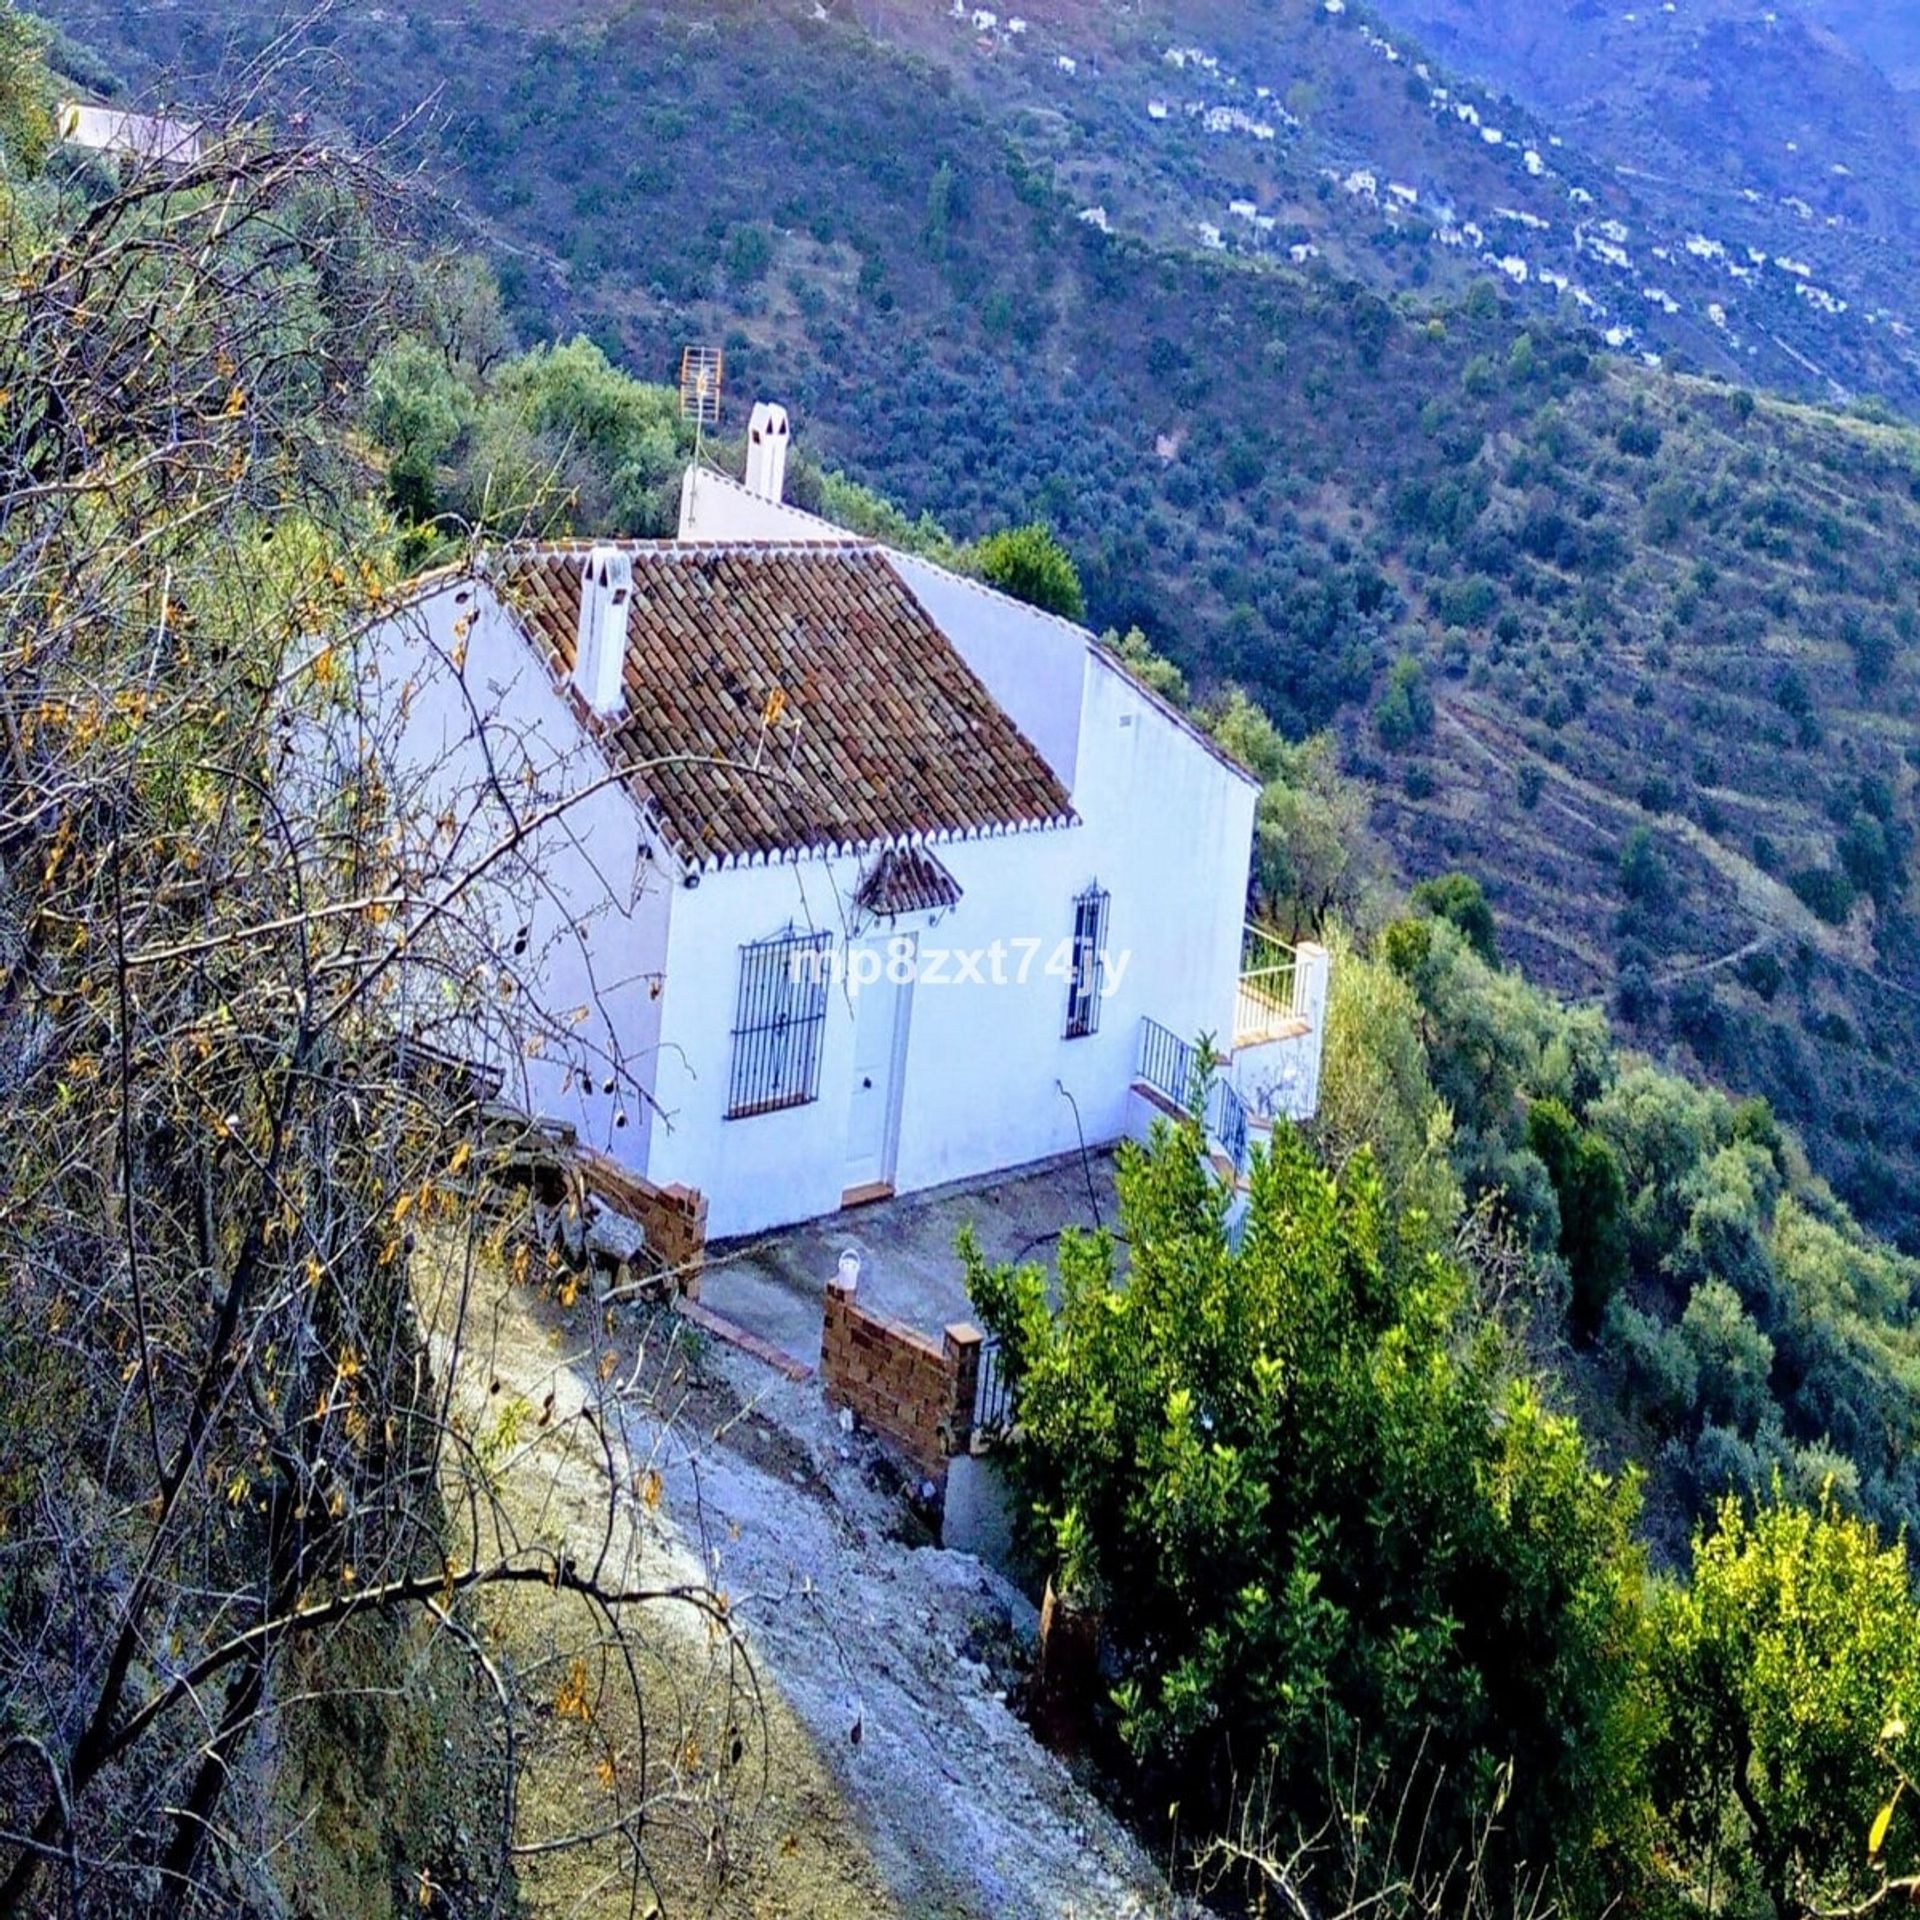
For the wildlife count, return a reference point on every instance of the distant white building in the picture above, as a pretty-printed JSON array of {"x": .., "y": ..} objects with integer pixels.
[
  {"x": 897, "y": 880},
  {"x": 134, "y": 136}
]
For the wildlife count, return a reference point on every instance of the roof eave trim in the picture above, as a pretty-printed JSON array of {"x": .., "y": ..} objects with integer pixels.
[{"x": 744, "y": 858}]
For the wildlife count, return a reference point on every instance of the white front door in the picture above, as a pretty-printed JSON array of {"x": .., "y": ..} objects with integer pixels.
[{"x": 881, "y": 1005}]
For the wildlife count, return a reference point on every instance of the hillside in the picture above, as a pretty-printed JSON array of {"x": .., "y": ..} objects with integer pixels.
[{"x": 1639, "y": 600}]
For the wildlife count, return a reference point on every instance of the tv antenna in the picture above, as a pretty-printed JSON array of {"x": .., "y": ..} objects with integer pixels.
[{"x": 701, "y": 369}]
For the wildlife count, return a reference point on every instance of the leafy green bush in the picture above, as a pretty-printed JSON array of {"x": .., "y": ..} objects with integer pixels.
[
  {"x": 1732, "y": 1358},
  {"x": 1319, "y": 1513},
  {"x": 1824, "y": 891},
  {"x": 1786, "y": 1682},
  {"x": 1404, "y": 714},
  {"x": 1459, "y": 898},
  {"x": 1029, "y": 563}
]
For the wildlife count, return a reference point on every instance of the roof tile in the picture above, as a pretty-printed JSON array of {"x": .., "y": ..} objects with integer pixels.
[{"x": 887, "y": 734}]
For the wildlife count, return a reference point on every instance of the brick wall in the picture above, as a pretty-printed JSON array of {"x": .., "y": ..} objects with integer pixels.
[
  {"x": 916, "y": 1391},
  {"x": 675, "y": 1217}
]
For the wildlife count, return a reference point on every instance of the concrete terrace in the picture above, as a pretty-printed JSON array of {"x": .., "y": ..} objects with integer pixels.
[{"x": 773, "y": 1285}]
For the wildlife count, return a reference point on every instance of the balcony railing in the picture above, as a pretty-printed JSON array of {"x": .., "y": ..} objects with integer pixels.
[
  {"x": 1264, "y": 1008},
  {"x": 1171, "y": 1067}
]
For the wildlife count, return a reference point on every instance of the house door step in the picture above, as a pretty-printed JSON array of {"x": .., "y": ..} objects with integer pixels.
[{"x": 866, "y": 1196}]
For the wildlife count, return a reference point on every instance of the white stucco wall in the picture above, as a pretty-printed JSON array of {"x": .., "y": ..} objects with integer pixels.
[
  {"x": 715, "y": 507},
  {"x": 487, "y": 743}
]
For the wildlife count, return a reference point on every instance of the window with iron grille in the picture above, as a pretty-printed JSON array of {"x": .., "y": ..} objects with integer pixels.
[
  {"x": 779, "y": 1023},
  {"x": 1089, "y": 963}
]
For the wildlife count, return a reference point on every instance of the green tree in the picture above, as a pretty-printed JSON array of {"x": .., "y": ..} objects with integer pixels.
[
  {"x": 1785, "y": 1678},
  {"x": 1593, "y": 1209},
  {"x": 1321, "y": 1513},
  {"x": 1644, "y": 877},
  {"x": 1135, "y": 652},
  {"x": 417, "y": 409},
  {"x": 1732, "y": 1357},
  {"x": 26, "y": 91},
  {"x": 1031, "y": 564},
  {"x": 1376, "y": 1094},
  {"x": 749, "y": 254},
  {"x": 1459, "y": 897},
  {"x": 1404, "y": 713},
  {"x": 934, "y": 229}
]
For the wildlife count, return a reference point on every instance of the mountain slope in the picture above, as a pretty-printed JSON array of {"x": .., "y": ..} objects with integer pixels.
[{"x": 1635, "y": 600}]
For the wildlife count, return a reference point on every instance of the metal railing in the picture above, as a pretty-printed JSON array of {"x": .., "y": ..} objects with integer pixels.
[
  {"x": 1172, "y": 1068},
  {"x": 992, "y": 1394},
  {"x": 1265, "y": 1002}
]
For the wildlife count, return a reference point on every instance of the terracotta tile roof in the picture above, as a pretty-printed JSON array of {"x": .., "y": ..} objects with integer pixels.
[
  {"x": 882, "y": 733},
  {"x": 907, "y": 880}
]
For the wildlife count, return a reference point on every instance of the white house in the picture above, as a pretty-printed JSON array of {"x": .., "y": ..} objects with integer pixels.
[
  {"x": 877, "y": 879},
  {"x": 137, "y": 136}
]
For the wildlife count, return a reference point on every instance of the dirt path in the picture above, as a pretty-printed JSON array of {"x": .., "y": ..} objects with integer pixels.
[{"x": 892, "y": 1777}]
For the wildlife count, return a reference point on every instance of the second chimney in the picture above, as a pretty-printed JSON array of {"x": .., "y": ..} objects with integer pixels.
[
  {"x": 767, "y": 437},
  {"x": 600, "y": 652}
]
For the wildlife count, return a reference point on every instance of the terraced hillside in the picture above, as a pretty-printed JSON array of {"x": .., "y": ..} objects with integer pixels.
[{"x": 1661, "y": 676}]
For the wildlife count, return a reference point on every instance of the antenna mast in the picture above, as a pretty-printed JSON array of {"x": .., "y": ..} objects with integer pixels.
[{"x": 701, "y": 369}]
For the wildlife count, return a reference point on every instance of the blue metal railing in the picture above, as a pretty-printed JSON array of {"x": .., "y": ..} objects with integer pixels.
[{"x": 1171, "y": 1067}]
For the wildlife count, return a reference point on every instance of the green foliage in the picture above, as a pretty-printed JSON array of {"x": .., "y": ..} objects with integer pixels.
[
  {"x": 1321, "y": 1514},
  {"x": 1151, "y": 669},
  {"x": 547, "y": 442},
  {"x": 26, "y": 93},
  {"x": 1592, "y": 1195},
  {"x": 859, "y": 509},
  {"x": 1732, "y": 1358},
  {"x": 1311, "y": 851},
  {"x": 1459, "y": 898},
  {"x": 749, "y": 254},
  {"x": 1786, "y": 1684},
  {"x": 1824, "y": 891},
  {"x": 1404, "y": 713},
  {"x": 1661, "y": 1371},
  {"x": 1031, "y": 564},
  {"x": 417, "y": 408},
  {"x": 1376, "y": 1092},
  {"x": 1645, "y": 877}
]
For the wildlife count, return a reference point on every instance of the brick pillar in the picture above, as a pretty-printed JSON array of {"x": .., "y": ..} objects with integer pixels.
[
  {"x": 684, "y": 1239},
  {"x": 960, "y": 1347},
  {"x": 836, "y": 1342}
]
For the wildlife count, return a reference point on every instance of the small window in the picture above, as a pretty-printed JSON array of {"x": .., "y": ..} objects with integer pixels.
[
  {"x": 781, "y": 1017},
  {"x": 1089, "y": 963}
]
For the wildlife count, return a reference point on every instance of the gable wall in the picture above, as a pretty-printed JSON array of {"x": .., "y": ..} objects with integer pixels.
[{"x": 492, "y": 743}]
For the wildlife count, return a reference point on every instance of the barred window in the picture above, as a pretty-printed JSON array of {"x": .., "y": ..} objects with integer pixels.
[
  {"x": 779, "y": 1022},
  {"x": 1089, "y": 963}
]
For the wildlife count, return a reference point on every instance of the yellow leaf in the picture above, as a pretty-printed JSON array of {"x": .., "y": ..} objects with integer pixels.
[
  {"x": 1877, "y": 1833},
  {"x": 651, "y": 1488},
  {"x": 571, "y": 1701},
  {"x": 461, "y": 1155}
]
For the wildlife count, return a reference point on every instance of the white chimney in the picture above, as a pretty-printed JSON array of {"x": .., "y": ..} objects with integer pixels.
[
  {"x": 600, "y": 654},
  {"x": 767, "y": 437}
]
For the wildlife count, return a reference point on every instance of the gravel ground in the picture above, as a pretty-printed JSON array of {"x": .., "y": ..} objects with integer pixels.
[{"x": 897, "y": 1776}]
